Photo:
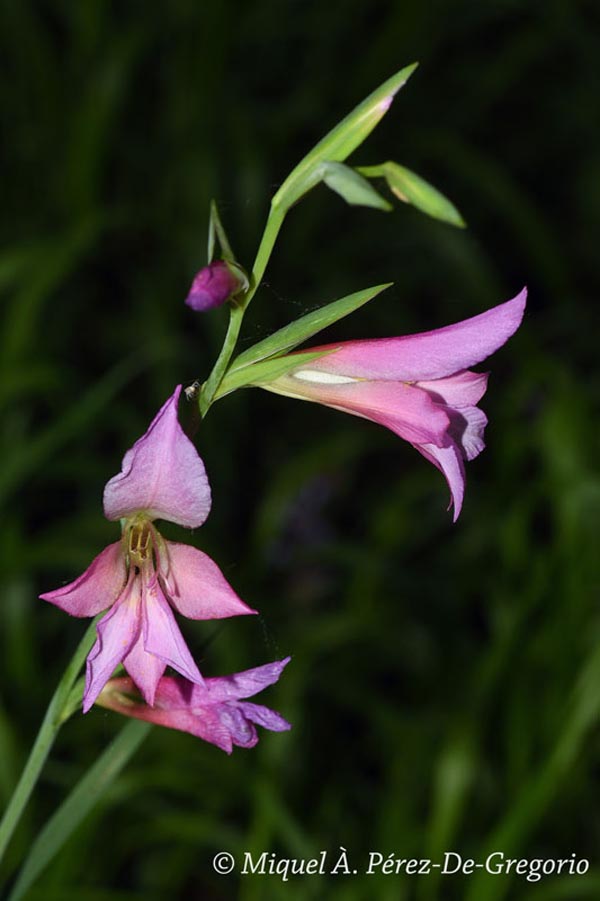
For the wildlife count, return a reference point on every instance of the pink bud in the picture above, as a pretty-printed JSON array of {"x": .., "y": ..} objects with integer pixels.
[{"x": 214, "y": 285}]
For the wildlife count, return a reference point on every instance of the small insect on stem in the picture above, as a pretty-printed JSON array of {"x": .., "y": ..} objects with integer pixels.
[{"x": 191, "y": 392}]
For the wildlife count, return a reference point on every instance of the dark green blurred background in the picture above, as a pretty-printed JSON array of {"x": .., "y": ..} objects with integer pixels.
[{"x": 445, "y": 683}]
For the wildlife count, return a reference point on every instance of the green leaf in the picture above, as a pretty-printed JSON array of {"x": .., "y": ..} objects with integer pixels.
[
  {"x": 354, "y": 189},
  {"x": 216, "y": 230},
  {"x": 302, "y": 329},
  {"x": 88, "y": 791},
  {"x": 264, "y": 371},
  {"x": 411, "y": 188},
  {"x": 339, "y": 143}
]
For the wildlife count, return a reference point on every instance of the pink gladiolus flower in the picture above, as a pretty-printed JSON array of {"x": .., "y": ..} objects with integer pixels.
[
  {"x": 143, "y": 575},
  {"x": 213, "y": 711},
  {"x": 418, "y": 386},
  {"x": 215, "y": 284}
]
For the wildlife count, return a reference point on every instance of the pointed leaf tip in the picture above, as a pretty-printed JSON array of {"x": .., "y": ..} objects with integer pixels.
[
  {"x": 410, "y": 188},
  {"x": 400, "y": 80},
  {"x": 342, "y": 140}
]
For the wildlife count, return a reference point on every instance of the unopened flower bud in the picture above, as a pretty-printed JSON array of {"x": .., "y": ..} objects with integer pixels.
[{"x": 216, "y": 284}]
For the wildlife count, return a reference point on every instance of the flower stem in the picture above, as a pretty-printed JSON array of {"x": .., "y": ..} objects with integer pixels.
[
  {"x": 56, "y": 715},
  {"x": 76, "y": 806},
  {"x": 214, "y": 380},
  {"x": 274, "y": 223},
  {"x": 263, "y": 254}
]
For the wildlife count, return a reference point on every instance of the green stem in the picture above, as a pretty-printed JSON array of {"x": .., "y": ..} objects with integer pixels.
[
  {"x": 274, "y": 223},
  {"x": 214, "y": 380},
  {"x": 55, "y": 717}
]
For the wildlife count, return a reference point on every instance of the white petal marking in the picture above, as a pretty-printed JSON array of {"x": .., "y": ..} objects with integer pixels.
[{"x": 322, "y": 378}]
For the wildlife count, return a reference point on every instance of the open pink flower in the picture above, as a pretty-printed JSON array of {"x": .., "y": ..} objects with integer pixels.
[
  {"x": 143, "y": 575},
  {"x": 213, "y": 711},
  {"x": 418, "y": 386}
]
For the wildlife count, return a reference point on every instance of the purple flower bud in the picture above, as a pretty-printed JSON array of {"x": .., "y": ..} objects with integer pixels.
[{"x": 215, "y": 284}]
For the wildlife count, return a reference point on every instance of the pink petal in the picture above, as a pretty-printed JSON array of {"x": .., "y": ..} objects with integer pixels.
[
  {"x": 162, "y": 636},
  {"x": 162, "y": 475},
  {"x": 97, "y": 588},
  {"x": 145, "y": 669},
  {"x": 239, "y": 730},
  {"x": 197, "y": 587},
  {"x": 449, "y": 461},
  {"x": 117, "y": 633},
  {"x": 264, "y": 716},
  {"x": 464, "y": 389},
  {"x": 458, "y": 395},
  {"x": 467, "y": 425},
  {"x": 406, "y": 410},
  {"x": 169, "y": 709},
  {"x": 241, "y": 685},
  {"x": 428, "y": 355},
  {"x": 234, "y": 724},
  {"x": 206, "y": 723},
  {"x": 215, "y": 725}
]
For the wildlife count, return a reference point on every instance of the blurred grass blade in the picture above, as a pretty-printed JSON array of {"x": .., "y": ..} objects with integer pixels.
[
  {"x": 86, "y": 794},
  {"x": 411, "y": 188},
  {"x": 339, "y": 143},
  {"x": 14, "y": 261},
  {"x": 454, "y": 774},
  {"x": 8, "y": 765},
  {"x": 265, "y": 371},
  {"x": 302, "y": 329},
  {"x": 25, "y": 459},
  {"x": 351, "y": 186},
  {"x": 48, "y": 265},
  {"x": 546, "y": 780}
]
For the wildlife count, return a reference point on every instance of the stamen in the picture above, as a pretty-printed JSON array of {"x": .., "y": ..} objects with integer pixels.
[{"x": 140, "y": 543}]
